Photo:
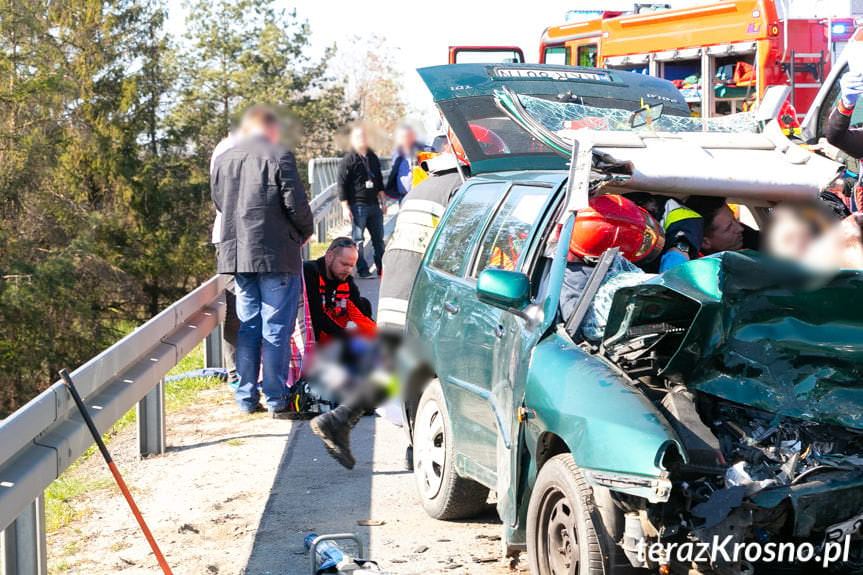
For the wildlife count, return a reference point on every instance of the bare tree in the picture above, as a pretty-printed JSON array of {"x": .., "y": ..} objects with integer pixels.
[{"x": 373, "y": 83}]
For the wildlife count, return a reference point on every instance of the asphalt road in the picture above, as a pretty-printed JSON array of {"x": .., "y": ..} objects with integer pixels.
[{"x": 312, "y": 493}]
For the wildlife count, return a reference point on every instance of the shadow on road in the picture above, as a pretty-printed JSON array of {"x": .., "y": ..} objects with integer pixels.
[
  {"x": 311, "y": 492},
  {"x": 236, "y": 438}
]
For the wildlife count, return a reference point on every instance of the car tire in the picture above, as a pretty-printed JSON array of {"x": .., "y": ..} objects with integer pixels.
[
  {"x": 444, "y": 494},
  {"x": 561, "y": 535}
]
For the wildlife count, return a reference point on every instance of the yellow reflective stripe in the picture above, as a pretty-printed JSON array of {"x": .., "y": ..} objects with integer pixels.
[{"x": 678, "y": 215}]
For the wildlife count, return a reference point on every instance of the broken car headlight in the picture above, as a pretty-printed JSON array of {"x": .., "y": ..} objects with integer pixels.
[{"x": 654, "y": 489}]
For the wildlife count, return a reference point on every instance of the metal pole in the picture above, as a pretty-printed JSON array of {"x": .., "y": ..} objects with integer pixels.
[
  {"x": 23, "y": 544},
  {"x": 213, "y": 348},
  {"x": 112, "y": 467},
  {"x": 708, "y": 96},
  {"x": 151, "y": 422}
]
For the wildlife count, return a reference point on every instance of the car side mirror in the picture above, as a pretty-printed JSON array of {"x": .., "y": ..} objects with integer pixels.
[{"x": 503, "y": 288}]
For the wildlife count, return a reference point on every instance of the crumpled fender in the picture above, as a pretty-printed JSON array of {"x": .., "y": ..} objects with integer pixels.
[{"x": 607, "y": 424}]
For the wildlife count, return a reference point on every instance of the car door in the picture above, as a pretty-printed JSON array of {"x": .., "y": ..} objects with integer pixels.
[
  {"x": 530, "y": 217},
  {"x": 476, "y": 372},
  {"x": 439, "y": 280}
]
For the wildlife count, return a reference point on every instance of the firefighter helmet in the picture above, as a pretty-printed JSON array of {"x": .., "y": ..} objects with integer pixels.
[
  {"x": 612, "y": 221},
  {"x": 489, "y": 142}
]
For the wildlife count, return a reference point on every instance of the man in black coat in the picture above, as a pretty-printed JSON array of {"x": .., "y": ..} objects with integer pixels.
[
  {"x": 361, "y": 191},
  {"x": 266, "y": 220}
]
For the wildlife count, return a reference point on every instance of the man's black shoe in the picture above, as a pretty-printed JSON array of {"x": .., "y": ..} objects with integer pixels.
[
  {"x": 283, "y": 414},
  {"x": 334, "y": 429},
  {"x": 257, "y": 409},
  {"x": 364, "y": 275}
]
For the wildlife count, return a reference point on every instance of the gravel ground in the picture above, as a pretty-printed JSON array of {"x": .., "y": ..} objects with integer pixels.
[{"x": 237, "y": 494}]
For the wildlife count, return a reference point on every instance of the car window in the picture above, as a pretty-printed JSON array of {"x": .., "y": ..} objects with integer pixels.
[
  {"x": 556, "y": 55},
  {"x": 587, "y": 55},
  {"x": 461, "y": 225},
  {"x": 507, "y": 235}
]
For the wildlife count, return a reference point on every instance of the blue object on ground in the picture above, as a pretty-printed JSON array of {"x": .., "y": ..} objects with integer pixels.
[{"x": 329, "y": 554}]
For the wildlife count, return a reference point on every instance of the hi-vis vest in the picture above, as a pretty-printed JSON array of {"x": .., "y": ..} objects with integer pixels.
[
  {"x": 342, "y": 310},
  {"x": 338, "y": 307}
]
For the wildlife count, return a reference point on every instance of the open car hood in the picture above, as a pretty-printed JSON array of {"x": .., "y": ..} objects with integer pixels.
[{"x": 755, "y": 331}]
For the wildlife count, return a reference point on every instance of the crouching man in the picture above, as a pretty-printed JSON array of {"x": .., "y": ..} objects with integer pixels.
[
  {"x": 340, "y": 313},
  {"x": 334, "y": 298}
]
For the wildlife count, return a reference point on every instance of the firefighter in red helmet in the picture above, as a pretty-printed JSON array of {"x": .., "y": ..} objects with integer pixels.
[
  {"x": 489, "y": 142},
  {"x": 609, "y": 221},
  {"x": 612, "y": 221}
]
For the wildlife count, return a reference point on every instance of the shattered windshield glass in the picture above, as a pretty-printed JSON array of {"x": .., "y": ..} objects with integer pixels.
[{"x": 560, "y": 117}]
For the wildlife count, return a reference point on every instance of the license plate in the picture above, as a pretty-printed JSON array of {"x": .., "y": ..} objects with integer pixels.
[{"x": 556, "y": 75}]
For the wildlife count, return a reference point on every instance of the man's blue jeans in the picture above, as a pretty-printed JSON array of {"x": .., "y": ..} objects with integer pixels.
[
  {"x": 267, "y": 309},
  {"x": 368, "y": 217}
]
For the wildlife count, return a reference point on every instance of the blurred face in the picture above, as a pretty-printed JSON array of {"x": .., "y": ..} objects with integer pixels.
[
  {"x": 789, "y": 235},
  {"x": 359, "y": 141},
  {"x": 405, "y": 139},
  {"x": 723, "y": 234},
  {"x": 340, "y": 262},
  {"x": 273, "y": 133}
]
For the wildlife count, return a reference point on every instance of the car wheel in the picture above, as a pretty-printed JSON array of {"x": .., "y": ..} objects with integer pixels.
[
  {"x": 444, "y": 494},
  {"x": 561, "y": 536}
]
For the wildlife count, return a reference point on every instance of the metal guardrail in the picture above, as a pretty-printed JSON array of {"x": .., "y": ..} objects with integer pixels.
[{"x": 44, "y": 437}]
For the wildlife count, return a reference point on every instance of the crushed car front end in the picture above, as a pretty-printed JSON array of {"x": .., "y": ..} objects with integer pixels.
[{"x": 755, "y": 366}]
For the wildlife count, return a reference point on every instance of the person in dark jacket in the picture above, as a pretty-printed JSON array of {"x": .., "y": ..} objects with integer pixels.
[
  {"x": 265, "y": 220},
  {"x": 838, "y": 130},
  {"x": 361, "y": 191},
  {"x": 418, "y": 218}
]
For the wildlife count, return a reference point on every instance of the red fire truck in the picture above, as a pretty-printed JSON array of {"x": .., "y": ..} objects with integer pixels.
[{"x": 723, "y": 56}]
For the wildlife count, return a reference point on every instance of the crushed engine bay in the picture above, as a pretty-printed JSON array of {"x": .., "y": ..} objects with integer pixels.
[{"x": 750, "y": 475}]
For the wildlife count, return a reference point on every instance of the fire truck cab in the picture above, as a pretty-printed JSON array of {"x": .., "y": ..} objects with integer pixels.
[{"x": 722, "y": 56}]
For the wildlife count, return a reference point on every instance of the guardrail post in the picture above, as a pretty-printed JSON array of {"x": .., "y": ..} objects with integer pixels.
[
  {"x": 23, "y": 544},
  {"x": 213, "y": 348},
  {"x": 151, "y": 422}
]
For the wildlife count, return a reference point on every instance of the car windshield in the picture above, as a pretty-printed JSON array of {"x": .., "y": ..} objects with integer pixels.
[{"x": 562, "y": 117}]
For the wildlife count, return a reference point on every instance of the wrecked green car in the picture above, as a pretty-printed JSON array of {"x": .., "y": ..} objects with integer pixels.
[{"x": 721, "y": 404}]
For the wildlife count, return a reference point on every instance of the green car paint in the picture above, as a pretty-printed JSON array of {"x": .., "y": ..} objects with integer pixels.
[{"x": 459, "y": 87}]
